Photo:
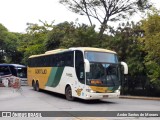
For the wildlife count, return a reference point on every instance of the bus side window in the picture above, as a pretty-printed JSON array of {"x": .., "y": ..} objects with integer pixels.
[
  {"x": 4, "y": 70},
  {"x": 13, "y": 70},
  {"x": 69, "y": 59},
  {"x": 79, "y": 66},
  {"x": 59, "y": 61},
  {"x": 1, "y": 71}
]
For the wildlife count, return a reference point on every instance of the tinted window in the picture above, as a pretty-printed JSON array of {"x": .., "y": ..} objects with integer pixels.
[
  {"x": 21, "y": 72},
  {"x": 69, "y": 59},
  {"x": 101, "y": 57},
  {"x": 79, "y": 65},
  {"x": 4, "y": 70},
  {"x": 13, "y": 70},
  {"x": 56, "y": 60}
]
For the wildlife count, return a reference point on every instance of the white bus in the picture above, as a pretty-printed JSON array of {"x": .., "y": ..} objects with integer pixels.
[
  {"x": 10, "y": 72},
  {"x": 80, "y": 72}
]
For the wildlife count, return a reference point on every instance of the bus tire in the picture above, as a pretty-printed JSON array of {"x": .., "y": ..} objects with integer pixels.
[
  {"x": 37, "y": 86},
  {"x": 34, "y": 85},
  {"x": 68, "y": 93}
]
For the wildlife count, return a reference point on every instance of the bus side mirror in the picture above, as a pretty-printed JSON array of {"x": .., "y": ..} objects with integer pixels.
[
  {"x": 125, "y": 66},
  {"x": 87, "y": 65}
]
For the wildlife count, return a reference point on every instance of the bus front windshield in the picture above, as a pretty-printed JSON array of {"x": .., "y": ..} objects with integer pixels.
[
  {"x": 22, "y": 72},
  {"x": 104, "y": 69}
]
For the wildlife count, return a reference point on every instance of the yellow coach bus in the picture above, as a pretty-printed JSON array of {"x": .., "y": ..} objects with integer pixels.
[{"x": 80, "y": 72}]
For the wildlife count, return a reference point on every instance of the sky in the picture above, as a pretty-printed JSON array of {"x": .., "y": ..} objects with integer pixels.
[{"x": 15, "y": 14}]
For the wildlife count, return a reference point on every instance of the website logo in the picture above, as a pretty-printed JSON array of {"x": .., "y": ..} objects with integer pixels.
[{"x": 6, "y": 114}]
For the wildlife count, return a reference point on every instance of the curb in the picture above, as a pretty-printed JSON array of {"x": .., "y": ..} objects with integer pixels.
[{"x": 139, "y": 97}]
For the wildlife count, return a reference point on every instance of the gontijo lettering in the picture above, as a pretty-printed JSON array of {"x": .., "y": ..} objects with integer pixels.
[{"x": 40, "y": 71}]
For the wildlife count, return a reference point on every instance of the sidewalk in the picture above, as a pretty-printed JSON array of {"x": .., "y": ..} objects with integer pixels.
[{"x": 139, "y": 97}]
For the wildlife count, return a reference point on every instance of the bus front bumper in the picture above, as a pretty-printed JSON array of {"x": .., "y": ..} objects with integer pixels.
[
  {"x": 24, "y": 82},
  {"x": 101, "y": 95}
]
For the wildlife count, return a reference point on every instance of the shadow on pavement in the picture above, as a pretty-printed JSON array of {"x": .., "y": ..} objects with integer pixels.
[{"x": 77, "y": 99}]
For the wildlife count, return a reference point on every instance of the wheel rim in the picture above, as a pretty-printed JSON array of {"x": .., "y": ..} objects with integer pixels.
[
  {"x": 37, "y": 87},
  {"x": 69, "y": 93},
  {"x": 34, "y": 86}
]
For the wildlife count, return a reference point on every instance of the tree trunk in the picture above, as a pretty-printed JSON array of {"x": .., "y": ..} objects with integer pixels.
[{"x": 102, "y": 29}]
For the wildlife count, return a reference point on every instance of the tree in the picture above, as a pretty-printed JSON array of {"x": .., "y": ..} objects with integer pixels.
[
  {"x": 124, "y": 40},
  {"x": 151, "y": 42},
  {"x": 56, "y": 35},
  {"x": 11, "y": 49},
  {"x": 128, "y": 47},
  {"x": 83, "y": 35},
  {"x": 8, "y": 46},
  {"x": 3, "y": 34},
  {"x": 65, "y": 35},
  {"x": 33, "y": 41},
  {"x": 105, "y": 10}
]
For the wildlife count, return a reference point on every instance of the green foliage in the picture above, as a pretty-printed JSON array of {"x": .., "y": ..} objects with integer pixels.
[
  {"x": 125, "y": 43},
  {"x": 11, "y": 52},
  {"x": 67, "y": 35},
  {"x": 3, "y": 34},
  {"x": 83, "y": 35},
  {"x": 151, "y": 41},
  {"x": 33, "y": 41},
  {"x": 56, "y": 35},
  {"x": 38, "y": 39},
  {"x": 8, "y": 46}
]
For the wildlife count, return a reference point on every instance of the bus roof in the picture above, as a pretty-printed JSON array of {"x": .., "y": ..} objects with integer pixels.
[
  {"x": 73, "y": 48},
  {"x": 15, "y": 65},
  {"x": 49, "y": 52},
  {"x": 92, "y": 49}
]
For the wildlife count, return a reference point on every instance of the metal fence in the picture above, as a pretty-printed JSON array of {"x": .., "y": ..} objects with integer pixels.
[{"x": 139, "y": 86}]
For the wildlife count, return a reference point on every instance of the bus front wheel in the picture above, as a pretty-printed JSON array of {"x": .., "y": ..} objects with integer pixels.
[
  {"x": 68, "y": 93},
  {"x": 34, "y": 85}
]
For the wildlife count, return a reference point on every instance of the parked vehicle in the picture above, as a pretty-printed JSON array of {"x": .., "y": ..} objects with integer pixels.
[{"x": 10, "y": 72}]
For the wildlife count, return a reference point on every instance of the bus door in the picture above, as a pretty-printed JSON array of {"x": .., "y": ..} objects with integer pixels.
[
  {"x": 22, "y": 74},
  {"x": 80, "y": 72}
]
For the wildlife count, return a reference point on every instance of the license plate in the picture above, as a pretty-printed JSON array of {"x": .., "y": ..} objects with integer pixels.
[{"x": 105, "y": 96}]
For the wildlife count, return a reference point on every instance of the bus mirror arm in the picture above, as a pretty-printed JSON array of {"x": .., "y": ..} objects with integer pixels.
[
  {"x": 87, "y": 65},
  {"x": 125, "y": 67}
]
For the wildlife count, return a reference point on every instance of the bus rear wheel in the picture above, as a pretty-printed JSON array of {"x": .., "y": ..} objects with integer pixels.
[
  {"x": 68, "y": 93},
  {"x": 37, "y": 86}
]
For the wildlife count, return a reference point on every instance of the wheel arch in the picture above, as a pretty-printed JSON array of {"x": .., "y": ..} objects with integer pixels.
[
  {"x": 69, "y": 92},
  {"x": 67, "y": 86},
  {"x": 33, "y": 82}
]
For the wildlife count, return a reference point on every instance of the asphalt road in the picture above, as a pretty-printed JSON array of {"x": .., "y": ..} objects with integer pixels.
[{"x": 26, "y": 99}]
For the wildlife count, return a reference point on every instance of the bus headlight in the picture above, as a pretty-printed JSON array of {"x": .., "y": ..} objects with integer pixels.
[
  {"x": 90, "y": 90},
  {"x": 118, "y": 90}
]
